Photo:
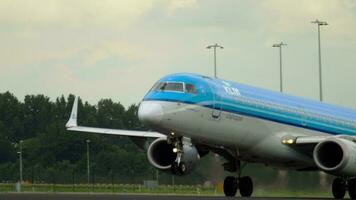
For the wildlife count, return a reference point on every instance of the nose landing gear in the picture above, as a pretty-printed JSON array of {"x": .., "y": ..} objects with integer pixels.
[{"x": 178, "y": 167}]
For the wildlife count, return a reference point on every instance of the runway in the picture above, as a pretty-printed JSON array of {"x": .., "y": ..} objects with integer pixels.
[{"x": 75, "y": 196}]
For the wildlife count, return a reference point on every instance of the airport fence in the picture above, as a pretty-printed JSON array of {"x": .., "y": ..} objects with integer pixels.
[
  {"x": 110, "y": 188},
  {"x": 266, "y": 191}
]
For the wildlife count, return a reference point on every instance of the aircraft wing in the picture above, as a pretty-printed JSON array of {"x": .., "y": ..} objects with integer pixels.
[
  {"x": 73, "y": 126},
  {"x": 313, "y": 140},
  {"x": 310, "y": 139}
]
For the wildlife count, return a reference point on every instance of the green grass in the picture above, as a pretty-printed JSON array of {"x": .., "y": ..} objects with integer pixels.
[{"x": 161, "y": 189}]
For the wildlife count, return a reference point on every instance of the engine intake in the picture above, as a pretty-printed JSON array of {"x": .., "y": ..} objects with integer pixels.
[
  {"x": 160, "y": 154},
  {"x": 336, "y": 156}
]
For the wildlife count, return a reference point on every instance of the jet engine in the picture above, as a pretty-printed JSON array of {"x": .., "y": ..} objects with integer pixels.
[
  {"x": 161, "y": 155},
  {"x": 336, "y": 156}
]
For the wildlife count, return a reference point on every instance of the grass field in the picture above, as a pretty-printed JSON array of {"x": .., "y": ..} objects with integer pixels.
[{"x": 161, "y": 189}]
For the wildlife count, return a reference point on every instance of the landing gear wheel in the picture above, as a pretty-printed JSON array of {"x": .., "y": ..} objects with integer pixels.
[
  {"x": 339, "y": 188},
  {"x": 230, "y": 186},
  {"x": 175, "y": 169},
  {"x": 246, "y": 186},
  {"x": 182, "y": 168},
  {"x": 179, "y": 169},
  {"x": 351, "y": 187}
]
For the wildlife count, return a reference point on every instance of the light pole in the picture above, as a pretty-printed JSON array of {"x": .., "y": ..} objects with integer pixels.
[
  {"x": 21, "y": 166},
  {"x": 20, "y": 158},
  {"x": 88, "y": 163},
  {"x": 214, "y": 47},
  {"x": 320, "y": 23},
  {"x": 279, "y": 45}
]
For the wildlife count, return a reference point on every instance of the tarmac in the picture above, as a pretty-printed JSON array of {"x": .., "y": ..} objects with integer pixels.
[{"x": 76, "y": 196}]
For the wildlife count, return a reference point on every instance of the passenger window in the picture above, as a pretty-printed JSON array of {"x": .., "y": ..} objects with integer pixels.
[{"x": 190, "y": 88}]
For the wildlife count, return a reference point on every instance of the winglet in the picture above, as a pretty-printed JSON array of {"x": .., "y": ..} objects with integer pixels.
[{"x": 72, "y": 122}]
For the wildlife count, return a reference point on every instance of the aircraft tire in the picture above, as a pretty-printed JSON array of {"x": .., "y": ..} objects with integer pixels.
[
  {"x": 339, "y": 188},
  {"x": 175, "y": 169},
  {"x": 351, "y": 188},
  {"x": 182, "y": 168},
  {"x": 230, "y": 186},
  {"x": 246, "y": 186}
]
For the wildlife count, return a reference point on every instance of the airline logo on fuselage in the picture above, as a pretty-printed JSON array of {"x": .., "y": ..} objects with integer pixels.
[{"x": 231, "y": 90}]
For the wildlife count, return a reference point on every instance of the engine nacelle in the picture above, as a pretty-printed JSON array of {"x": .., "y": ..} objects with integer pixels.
[
  {"x": 160, "y": 154},
  {"x": 336, "y": 156}
]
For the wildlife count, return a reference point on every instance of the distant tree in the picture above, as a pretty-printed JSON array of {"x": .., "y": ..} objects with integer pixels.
[
  {"x": 110, "y": 114},
  {"x": 38, "y": 114},
  {"x": 7, "y": 152},
  {"x": 9, "y": 171},
  {"x": 131, "y": 120},
  {"x": 11, "y": 117},
  {"x": 53, "y": 154}
]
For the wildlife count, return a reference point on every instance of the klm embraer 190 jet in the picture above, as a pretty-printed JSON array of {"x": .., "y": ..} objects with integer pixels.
[{"x": 191, "y": 115}]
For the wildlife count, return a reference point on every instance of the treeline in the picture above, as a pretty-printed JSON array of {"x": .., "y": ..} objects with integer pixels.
[{"x": 52, "y": 154}]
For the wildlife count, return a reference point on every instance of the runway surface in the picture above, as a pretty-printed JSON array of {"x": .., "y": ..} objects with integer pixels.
[{"x": 45, "y": 196}]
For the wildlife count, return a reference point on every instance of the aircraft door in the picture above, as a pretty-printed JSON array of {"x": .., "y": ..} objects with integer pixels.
[{"x": 216, "y": 105}]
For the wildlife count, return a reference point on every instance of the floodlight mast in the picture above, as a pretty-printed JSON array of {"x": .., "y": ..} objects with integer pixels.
[
  {"x": 21, "y": 165},
  {"x": 214, "y": 47},
  {"x": 320, "y": 23},
  {"x": 279, "y": 45},
  {"x": 88, "y": 163}
]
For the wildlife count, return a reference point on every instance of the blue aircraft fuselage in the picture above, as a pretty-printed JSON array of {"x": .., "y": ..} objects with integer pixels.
[{"x": 228, "y": 96}]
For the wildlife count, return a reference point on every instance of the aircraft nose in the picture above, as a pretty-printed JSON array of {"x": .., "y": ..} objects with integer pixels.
[{"x": 150, "y": 112}]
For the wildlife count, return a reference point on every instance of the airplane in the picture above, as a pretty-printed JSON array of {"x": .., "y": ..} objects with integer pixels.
[{"x": 191, "y": 115}]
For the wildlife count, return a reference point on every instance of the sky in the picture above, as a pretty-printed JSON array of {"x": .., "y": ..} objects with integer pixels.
[{"x": 118, "y": 49}]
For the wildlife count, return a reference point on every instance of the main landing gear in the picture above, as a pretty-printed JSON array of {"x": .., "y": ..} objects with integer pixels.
[
  {"x": 232, "y": 184},
  {"x": 340, "y": 185}
]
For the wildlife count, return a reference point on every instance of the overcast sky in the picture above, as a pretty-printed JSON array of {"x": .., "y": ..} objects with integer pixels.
[{"x": 118, "y": 49}]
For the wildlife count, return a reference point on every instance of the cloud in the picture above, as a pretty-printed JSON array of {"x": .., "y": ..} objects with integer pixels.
[
  {"x": 33, "y": 32},
  {"x": 294, "y": 17},
  {"x": 67, "y": 12},
  {"x": 118, "y": 48},
  {"x": 181, "y": 4},
  {"x": 113, "y": 48}
]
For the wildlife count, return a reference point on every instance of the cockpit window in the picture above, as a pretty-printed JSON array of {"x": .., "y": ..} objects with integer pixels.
[
  {"x": 157, "y": 86},
  {"x": 175, "y": 87},
  {"x": 169, "y": 86},
  {"x": 190, "y": 88}
]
